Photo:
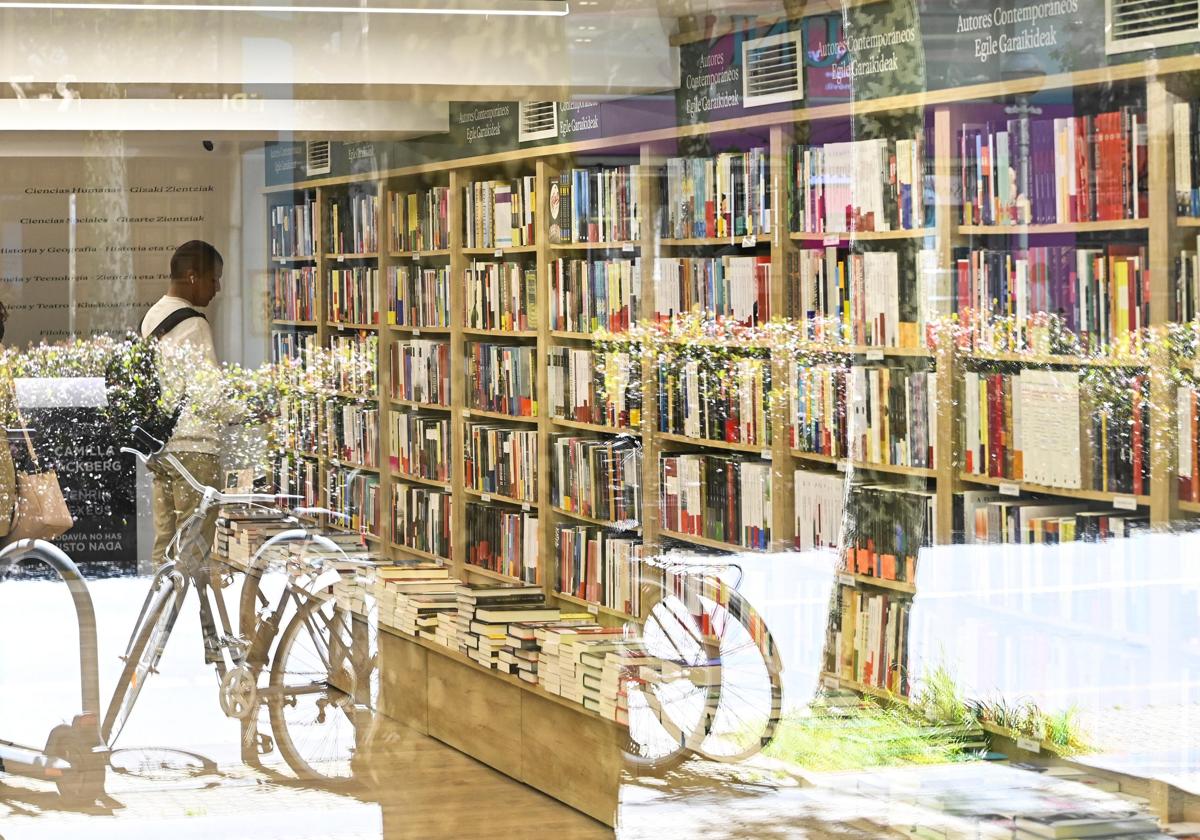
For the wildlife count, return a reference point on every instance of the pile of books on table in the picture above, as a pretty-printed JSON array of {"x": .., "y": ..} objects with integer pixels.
[{"x": 241, "y": 532}]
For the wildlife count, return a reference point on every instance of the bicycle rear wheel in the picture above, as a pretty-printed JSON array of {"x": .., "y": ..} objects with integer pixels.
[
  {"x": 150, "y": 637},
  {"x": 318, "y": 694}
]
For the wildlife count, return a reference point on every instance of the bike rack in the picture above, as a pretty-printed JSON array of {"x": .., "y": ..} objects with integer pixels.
[{"x": 75, "y": 748}]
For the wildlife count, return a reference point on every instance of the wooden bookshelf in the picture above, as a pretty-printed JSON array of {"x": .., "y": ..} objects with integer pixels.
[
  {"x": 865, "y": 235},
  {"x": 579, "y": 517},
  {"x": 943, "y": 234},
  {"x": 599, "y": 609},
  {"x": 1063, "y": 227},
  {"x": 416, "y": 479},
  {"x": 599, "y": 428},
  {"x": 1065, "y": 492},
  {"x": 422, "y": 406},
  {"x": 417, "y": 553},
  {"x": 847, "y": 464},
  {"x": 282, "y": 323}
]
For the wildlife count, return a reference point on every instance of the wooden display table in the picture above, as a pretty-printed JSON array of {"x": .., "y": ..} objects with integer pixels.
[{"x": 549, "y": 743}]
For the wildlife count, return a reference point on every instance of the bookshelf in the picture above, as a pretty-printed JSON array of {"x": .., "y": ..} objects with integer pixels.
[{"x": 1161, "y": 231}]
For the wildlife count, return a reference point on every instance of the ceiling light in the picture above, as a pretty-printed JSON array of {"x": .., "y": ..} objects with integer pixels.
[{"x": 541, "y": 8}]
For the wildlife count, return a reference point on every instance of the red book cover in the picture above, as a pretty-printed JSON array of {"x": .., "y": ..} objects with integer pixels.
[
  {"x": 993, "y": 441},
  {"x": 710, "y": 218}
]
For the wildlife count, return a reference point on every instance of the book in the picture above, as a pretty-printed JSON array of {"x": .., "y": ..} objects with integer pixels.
[
  {"x": 353, "y": 221},
  {"x": 421, "y": 519},
  {"x": 501, "y": 614},
  {"x": 294, "y": 293},
  {"x": 354, "y": 362},
  {"x": 718, "y": 497},
  {"x": 598, "y": 204},
  {"x": 591, "y": 295},
  {"x": 419, "y": 444},
  {"x": 355, "y": 495},
  {"x": 820, "y": 508},
  {"x": 599, "y": 566},
  {"x": 597, "y": 478},
  {"x": 1053, "y": 298},
  {"x": 500, "y": 296},
  {"x": 501, "y": 378},
  {"x": 499, "y": 213},
  {"x": 846, "y": 297},
  {"x": 291, "y": 227},
  {"x": 419, "y": 221},
  {"x": 726, "y": 399},
  {"x": 731, "y": 288},
  {"x": 502, "y": 460},
  {"x": 352, "y": 295},
  {"x": 726, "y": 195},
  {"x": 1084, "y": 825},
  {"x": 503, "y": 540},
  {"x": 594, "y": 386},
  {"x": 867, "y": 641},
  {"x": 1055, "y": 168},
  {"x": 868, "y": 413},
  {"x": 418, "y": 296},
  {"x": 874, "y": 184},
  {"x": 419, "y": 371},
  {"x": 353, "y": 432}
]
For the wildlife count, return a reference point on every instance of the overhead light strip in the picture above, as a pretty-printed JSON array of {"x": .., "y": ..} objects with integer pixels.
[{"x": 533, "y": 8}]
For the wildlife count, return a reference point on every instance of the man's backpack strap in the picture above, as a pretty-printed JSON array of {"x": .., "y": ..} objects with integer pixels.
[{"x": 174, "y": 320}]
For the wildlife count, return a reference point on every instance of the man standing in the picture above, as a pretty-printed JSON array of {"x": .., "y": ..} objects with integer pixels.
[{"x": 178, "y": 322}]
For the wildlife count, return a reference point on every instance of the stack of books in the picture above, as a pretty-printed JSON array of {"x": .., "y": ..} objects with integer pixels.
[
  {"x": 242, "y": 531},
  {"x": 558, "y": 657},
  {"x": 485, "y": 611},
  {"x": 621, "y": 669},
  {"x": 408, "y": 594},
  {"x": 522, "y": 645}
]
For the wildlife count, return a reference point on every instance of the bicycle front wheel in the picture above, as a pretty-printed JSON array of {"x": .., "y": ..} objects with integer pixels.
[
  {"x": 318, "y": 678},
  {"x": 158, "y": 618}
]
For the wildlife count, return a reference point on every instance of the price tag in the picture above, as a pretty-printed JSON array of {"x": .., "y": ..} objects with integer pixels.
[
  {"x": 525, "y": 507},
  {"x": 416, "y": 256},
  {"x": 466, "y": 412},
  {"x": 831, "y": 682},
  {"x": 1125, "y": 502},
  {"x": 485, "y": 497},
  {"x": 847, "y": 580},
  {"x": 749, "y": 241},
  {"x": 1029, "y": 745},
  {"x": 1010, "y": 489},
  {"x": 874, "y": 355},
  {"x": 416, "y": 332},
  {"x": 341, "y": 258},
  {"x": 765, "y": 454},
  {"x": 831, "y": 240},
  {"x": 627, "y": 248},
  {"x": 594, "y": 609},
  {"x": 499, "y": 253},
  {"x": 843, "y": 465}
]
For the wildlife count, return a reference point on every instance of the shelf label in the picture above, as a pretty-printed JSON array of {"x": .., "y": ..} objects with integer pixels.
[
  {"x": 831, "y": 682},
  {"x": 466, "y": 412},
  {"x": 843, "y": 465},
  {"x": 1029, "y": 745},
  {"x": 341, "y": 258},
  {"x": 526, "y": 507},
  {"x": 1007, "y": 488},
  {"x": 1125, "y": 502},
  {"x": 832, "y": 239},
  {"x": 627, "y": 248},
  {"x": 749, "y": 241},
  {"x": 416, "y": 332},
  {"x": 485, "y": 497},
  {"x": 416, "y": 256},
  {"x": 499, "y": 253},
  {"x": 847, "y": 580},
  {"x": 765, "y": 454},
  {"x": 594, "y": 609},
  {"x": 874, "y": 355}
]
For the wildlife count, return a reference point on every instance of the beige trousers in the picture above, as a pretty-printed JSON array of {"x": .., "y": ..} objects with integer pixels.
[{"x": 173, "y": 499}]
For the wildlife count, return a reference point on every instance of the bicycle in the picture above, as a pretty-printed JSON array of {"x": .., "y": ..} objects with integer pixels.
[
  {"x": 311, "y": 660},
  {"x": 709, "y": 682}
]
